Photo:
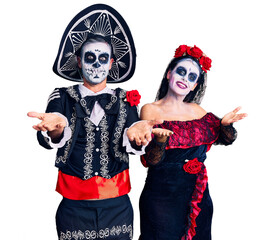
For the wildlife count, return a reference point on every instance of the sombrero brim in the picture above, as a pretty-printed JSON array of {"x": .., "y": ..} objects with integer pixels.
[{"x": 101, "y": 20}]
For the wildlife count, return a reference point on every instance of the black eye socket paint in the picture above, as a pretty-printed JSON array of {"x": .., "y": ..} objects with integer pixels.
[
  {"x": 181, "y": 71},
  {"x": 103, "y": 58},
  {"x": 192, "y": 77},
  {"x": 89, "y": 57}
]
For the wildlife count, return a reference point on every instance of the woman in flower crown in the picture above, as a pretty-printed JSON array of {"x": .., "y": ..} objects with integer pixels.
[{"x": 175, "y": 203}]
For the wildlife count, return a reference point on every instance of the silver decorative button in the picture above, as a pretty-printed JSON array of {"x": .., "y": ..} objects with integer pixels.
[
  {"x": 97, "y": 129},
  {"x": 96, "y": 173},
  {"x": 97, "y": 149}
]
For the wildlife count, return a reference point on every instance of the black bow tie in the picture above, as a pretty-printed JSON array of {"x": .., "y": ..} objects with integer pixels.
[
  {"x": 102, "y": 99},
  {"x": 109, "y": 102}
]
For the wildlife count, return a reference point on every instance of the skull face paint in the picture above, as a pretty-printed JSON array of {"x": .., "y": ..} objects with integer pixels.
[
  {"x": 95, "y": 61},
  {"x": 183, "y": 78}
]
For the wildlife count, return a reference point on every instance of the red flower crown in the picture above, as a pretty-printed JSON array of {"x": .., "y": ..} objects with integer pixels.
[{"x": 195, "y": 52}]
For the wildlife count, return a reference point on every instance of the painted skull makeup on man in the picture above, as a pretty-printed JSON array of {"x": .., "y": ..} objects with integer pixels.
[
  {"x": 183, "y": 78},
  {"x": 95, "y": 61}
]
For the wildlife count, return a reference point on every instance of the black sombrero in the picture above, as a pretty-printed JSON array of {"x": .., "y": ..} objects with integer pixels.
[{"x": 99, "y": 20}]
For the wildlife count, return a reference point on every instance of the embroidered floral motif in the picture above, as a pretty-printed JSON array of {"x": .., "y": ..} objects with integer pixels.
[
  {"x": 118, "y": 130},
  {"x": 69, "y": 142},
  {"x": 113, "y": 101},
  {"x": 73, "y": 93},
  {"x": 83, "y": 103},
  {"x": 88, "y": 156},
  {"x": 104, "y": 156},
  {"x": 122, "y": 94},
  {"x": 101, "y": 234}
]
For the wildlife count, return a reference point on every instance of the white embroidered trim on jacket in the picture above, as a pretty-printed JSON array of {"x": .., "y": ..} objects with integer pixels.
[
  {"x": 110, "y": 104},
  {"x": 69, "y": 142},
  {"x": 88, "y": 156},
  {"x": 104, "y": 156},
  {"x": 118, "y": 130},
  {"x": 73, "y": 93},
  {"x": 102, "y": 233}
]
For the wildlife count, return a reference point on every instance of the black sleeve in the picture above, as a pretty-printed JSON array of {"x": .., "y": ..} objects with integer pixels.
[
  {"x": 54, "y": 102},
  {"x": 132, "y": 118},
  {"x": 227, "y": 136},
  {"x": 155, "y": 152},
  {"x": 54, "y": 105}
]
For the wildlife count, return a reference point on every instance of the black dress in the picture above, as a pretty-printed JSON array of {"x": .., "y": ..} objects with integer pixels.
[{"x": 175, "y": 203}]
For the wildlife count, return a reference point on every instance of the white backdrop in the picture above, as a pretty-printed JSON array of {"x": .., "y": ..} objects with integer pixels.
[{"x": 237, "y": 35}]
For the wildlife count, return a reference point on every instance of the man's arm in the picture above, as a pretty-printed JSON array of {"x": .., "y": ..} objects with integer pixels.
[{"x": 50, "y": 131}]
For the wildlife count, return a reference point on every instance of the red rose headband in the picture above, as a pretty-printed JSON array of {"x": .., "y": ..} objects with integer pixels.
[{"x": 195, "y": 52}]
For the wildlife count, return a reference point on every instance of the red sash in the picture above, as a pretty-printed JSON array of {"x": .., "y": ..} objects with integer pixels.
[{"x": 97, "y": 187}]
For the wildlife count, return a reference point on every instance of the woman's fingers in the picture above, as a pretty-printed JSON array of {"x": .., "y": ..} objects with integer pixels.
[
  {"x": 239, "y": 117},
  {"x": 162, "y": 132},
  {"x": 237, "y": 109}
]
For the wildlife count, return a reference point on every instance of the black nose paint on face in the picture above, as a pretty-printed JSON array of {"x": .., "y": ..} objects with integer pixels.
[{"x": 96, "y": 65}]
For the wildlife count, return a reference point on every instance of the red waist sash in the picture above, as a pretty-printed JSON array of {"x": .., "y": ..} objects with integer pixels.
[{"x": 97, "y": 187}]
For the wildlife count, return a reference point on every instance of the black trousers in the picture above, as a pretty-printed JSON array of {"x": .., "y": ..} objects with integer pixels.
[{"x": 99, "y": 219}]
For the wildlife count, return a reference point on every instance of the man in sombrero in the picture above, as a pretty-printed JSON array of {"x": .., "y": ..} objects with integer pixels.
[{"x": 90, "y": 125}]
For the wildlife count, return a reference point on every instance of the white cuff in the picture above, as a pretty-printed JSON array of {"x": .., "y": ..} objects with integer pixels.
[
  {"x": 126, "y": 143},
  {"x": 67, "y": 133}
]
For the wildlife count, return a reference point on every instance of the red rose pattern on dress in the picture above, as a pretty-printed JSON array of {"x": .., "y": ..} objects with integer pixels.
[{"x": 192, "y": 166}]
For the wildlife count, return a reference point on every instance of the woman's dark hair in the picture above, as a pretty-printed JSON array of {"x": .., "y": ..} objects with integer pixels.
[{"x": 196, "y": 95}]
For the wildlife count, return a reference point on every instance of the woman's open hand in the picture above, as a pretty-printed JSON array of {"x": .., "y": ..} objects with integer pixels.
[
  {"x": 233, "y": 116},
  {"x": 161, "y": 134}
]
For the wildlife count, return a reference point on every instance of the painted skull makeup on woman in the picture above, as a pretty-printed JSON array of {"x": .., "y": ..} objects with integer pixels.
[
  {"x": 183, "y": 78},
  {"x": 95, "y": 61}
]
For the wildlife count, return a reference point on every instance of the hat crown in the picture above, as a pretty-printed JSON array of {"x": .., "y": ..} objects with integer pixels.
[{"x": 97, "y": 20}]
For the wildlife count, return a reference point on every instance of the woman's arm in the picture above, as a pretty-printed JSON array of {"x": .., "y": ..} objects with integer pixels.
[
  {"x": 155, "y": 151},
  {"x": 228, "y": 133}
]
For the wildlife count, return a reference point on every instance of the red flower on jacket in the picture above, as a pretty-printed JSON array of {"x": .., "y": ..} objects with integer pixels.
[
  {"x": 195, "y": 52},
  {"x": 181, "y": 50},
  {"x": 192, "y": 166},
  {"x": 133, "y": 97},
  {"x": 205, "y": 62}
]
